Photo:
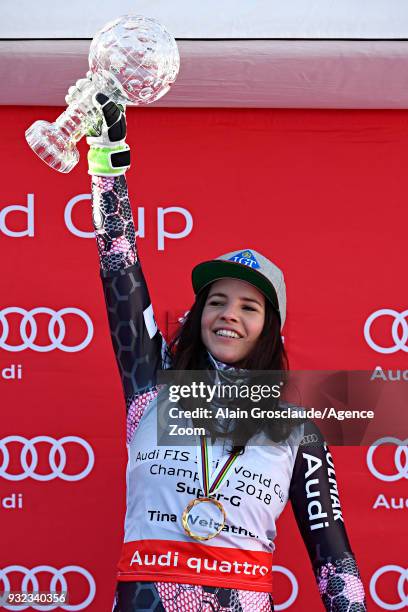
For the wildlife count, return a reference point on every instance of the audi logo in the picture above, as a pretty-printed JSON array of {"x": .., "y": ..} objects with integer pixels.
[
  {"x": 399, "y": 331},
  {"x": 57, "y": 583},
  {"x": 402, "y": 579},
  {"x": 309, "y": 439},
  {"x": 56, "y": 320},
  {"x": 400, "y": 452},
  {"x": 57, "y": 458},
  {"x": 294, "y": 584}
]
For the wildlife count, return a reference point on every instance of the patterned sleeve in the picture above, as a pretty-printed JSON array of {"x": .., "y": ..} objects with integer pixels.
[
  {"x": 315, "y": 501},
  {"x": 137, "y": 343}
]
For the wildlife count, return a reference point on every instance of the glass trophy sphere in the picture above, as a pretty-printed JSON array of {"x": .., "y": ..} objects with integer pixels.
[{"x": 134, "y": 58}]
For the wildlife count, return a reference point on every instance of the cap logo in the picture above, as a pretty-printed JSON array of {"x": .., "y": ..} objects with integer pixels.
[{"x": 246, "y": 258}]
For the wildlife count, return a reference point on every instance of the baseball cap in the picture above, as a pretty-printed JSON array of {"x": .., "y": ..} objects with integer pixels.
[{"x": 247, "y": 265}]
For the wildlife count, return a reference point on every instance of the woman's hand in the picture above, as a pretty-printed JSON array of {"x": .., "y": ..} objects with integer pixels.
[
  {"x": 109, "y": 155},
  {"x": 113, "y": 127}
]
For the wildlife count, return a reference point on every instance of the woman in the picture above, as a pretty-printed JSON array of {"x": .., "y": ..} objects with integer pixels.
[{"x": 233, "y": 326}]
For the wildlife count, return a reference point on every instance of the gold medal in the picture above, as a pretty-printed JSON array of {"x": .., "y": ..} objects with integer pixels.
[{"x": 203, "y": 518}]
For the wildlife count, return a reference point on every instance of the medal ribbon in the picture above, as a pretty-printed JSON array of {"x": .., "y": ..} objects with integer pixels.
[{"x": 211, "y": 482}]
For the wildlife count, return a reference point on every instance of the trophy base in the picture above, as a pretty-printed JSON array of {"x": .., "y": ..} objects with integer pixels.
[{"x": 52, "y": 146}]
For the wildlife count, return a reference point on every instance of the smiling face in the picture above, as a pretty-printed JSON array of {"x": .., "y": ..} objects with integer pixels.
[{"x": 232, "y": 319}]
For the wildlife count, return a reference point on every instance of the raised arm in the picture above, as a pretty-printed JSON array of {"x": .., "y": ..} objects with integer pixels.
[
  {"x": 315, "y": 501},
  {"x": 137, "y": 342}
]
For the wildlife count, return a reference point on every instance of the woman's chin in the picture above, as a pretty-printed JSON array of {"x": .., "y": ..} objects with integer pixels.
[{"x": 228, "y": 357}]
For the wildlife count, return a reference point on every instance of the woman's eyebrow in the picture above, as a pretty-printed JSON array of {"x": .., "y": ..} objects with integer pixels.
[
  {"x": 246, "y": 299},
  {"x": 217, "y": 294}
]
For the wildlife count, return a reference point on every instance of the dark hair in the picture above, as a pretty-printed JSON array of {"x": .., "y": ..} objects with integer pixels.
[{"x": 188, "y": 352}]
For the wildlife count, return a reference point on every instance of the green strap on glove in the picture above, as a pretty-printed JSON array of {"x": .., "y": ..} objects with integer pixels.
[
  {"x": 108, "y": 161},
  {"x": 109, "y": 155}
]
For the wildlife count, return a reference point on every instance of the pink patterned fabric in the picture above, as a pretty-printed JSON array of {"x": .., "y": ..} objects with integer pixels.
[
  {"x": 136, "y": 410},
  {"x": 251, "y": 600},
  {"x": 113, "y": 223},
  {"x": 340, "y": 586},
  {"x": 183, "y": 597},
  {"x": 175, "y": 597}
]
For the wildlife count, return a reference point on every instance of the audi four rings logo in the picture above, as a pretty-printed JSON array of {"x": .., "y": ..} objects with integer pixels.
[
  {"x": 55, "y": 338},
  {"x": 309, "y": 439},
  {"x": 57, "y": 458},
  {"x": 399, "y": 331},
  {"x": 58, "y": 583},
  {"x": 294, "y": 584},
  {"x": 401, "y": 588},
  {"x": 400, "y": 459}
]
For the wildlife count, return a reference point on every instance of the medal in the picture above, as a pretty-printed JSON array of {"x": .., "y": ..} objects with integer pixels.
[{"x": 204, "y": 517}]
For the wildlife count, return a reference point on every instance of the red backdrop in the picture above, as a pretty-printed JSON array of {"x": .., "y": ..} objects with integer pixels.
[{"x": 322, "y": 193}]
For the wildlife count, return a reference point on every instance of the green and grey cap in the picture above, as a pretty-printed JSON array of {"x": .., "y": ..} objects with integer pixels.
[{"x": 247, "y": 265}]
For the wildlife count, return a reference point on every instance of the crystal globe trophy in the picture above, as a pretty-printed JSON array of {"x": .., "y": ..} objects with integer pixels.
[{"x": 133, "y": 60}]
